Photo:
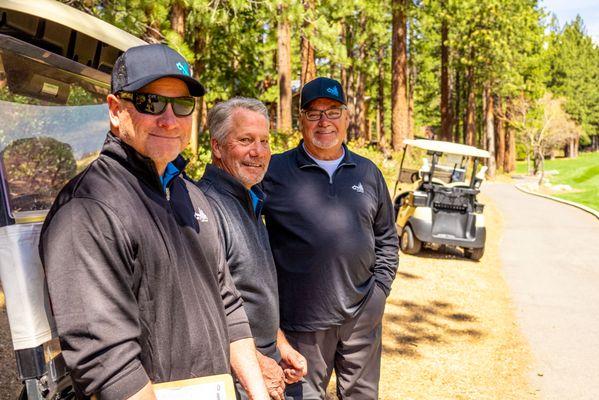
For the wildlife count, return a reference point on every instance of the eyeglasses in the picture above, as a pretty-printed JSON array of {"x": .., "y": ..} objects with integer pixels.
[
  {"x": 331, "y": 113},
  {"x": 155, "y": 104}
]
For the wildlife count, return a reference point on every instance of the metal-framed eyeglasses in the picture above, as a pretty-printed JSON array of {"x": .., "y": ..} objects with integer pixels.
[{"x": 331, "y": 113}]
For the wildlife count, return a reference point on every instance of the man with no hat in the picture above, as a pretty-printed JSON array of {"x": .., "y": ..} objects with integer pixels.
[
  {"x": 332, "y": 231},
  {"x": 239, "y": 130},
  {"x": 137, "y": 276}
]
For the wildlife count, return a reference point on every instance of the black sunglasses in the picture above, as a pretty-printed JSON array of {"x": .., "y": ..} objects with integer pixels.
[{"x": 155, "y": 104}]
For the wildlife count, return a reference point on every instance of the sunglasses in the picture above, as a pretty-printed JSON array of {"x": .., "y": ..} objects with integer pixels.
[{"x": 155, "y": 104}]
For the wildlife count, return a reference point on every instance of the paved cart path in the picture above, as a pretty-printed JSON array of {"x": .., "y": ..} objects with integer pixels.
[{"x": 550, "y": 256}]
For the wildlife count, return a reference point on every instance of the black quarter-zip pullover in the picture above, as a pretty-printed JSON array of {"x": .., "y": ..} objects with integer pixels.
[{"x": 137, "y": 279}]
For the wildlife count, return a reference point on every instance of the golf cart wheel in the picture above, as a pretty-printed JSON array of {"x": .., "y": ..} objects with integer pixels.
[
  {"x": 408, "y": 242},
  {"x": 474, "y": 254}
]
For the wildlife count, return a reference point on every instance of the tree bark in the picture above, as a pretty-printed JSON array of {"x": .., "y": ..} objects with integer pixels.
[
  {"x": 470, "y": 117},
  {"x": 446, "y": 115},
  {"x": 500, "y": 134},
  {"x": 399, "y": 100},
  {"x": 381, "y": 99},
  {"x": 306, "y": 49},
  {"x": 178, "y": 18},
  {"x": 284, "y": 71},
  {"x": 456, "y": 114},
  {"x": 509, "y": 162},
  {"x": 360, "y": 114},
  {"x": 490, "y": 131}
]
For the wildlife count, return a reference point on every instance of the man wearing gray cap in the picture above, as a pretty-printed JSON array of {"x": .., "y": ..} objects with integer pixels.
[
  {"x": 136, "y": 272},
  {"x": 332, "y": 232}
]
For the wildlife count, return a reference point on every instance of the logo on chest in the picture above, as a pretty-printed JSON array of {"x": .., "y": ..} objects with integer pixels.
[
  {"x": 358, "y": 188},
  {"x": 200, "y": 215}
]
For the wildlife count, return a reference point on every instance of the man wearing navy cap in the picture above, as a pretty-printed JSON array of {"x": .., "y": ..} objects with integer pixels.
[
  {"x": 136, "y": 271},
  {"x": 332, "y": 233}
]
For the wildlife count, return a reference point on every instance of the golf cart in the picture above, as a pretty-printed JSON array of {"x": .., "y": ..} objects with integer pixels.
[
  {"x": 436, "y": 203},
  {"x": 55, "y": 65}
]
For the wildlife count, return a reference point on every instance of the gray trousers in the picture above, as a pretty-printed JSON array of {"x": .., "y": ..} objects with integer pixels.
[{"x": 352, "y": 349}]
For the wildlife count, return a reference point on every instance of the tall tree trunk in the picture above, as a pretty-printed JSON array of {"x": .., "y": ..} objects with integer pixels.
[
  {"x": 446, "y": 115},
  {"x": 490, "y": 130},
  {"x": 200, "y": 114},
  {"x": 412, "y": 76},
  {"x": 470, "y": 117},
  {"x": 509, "y": 163},
  {"x": 284, "y": 67},
  {"x": 500, "y": 134},
  {"x": 306, "y": 49},
  {"x": 178, "y": 17},
  {"x": 457, "y": 110},
  {"x": 344, "y": 42},
  {"x": 399, "y": 100},
  {"x": 360, "y": 114},
  {"x": 381, "y": 99},
  {"x": 351, "y": 78}
]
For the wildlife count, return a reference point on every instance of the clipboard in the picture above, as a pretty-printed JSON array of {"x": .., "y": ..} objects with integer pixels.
[{"x": 215, "y": 387}]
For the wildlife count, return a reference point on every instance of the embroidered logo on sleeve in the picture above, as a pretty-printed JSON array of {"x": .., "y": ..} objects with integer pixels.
[
  {"x": 200, "y": 215},
  {"x": 358, "y": 188}
]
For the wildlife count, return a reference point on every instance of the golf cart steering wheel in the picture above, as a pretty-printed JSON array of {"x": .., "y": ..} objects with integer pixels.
[{"x": 414, "y": 177}]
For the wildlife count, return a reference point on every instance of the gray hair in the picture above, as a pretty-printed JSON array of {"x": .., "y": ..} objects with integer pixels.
[{"x": 219, "y": 117}]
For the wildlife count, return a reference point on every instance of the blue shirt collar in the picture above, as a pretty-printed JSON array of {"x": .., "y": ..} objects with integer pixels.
[{"x": 169, "y": 173}]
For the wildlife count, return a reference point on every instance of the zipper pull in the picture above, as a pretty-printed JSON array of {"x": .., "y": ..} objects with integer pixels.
[{"x": 168, "y": 194}]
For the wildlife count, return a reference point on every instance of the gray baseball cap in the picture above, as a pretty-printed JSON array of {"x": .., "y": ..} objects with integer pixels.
[{"x": 141, "y": 65}]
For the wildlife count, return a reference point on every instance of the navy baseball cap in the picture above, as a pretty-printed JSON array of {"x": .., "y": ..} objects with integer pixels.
[
  {"x": 321, "y": 87},
  {"x": 140, "y": 65}
]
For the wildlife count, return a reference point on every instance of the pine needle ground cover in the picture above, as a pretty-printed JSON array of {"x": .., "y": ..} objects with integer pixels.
[{"x": 581, "y": 173}]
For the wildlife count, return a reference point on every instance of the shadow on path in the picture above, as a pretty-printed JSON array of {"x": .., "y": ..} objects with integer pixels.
[{"x": 409, "y": 325}]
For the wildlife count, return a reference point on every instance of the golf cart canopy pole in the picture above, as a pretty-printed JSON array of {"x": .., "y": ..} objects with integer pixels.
[{"x": 403, "y": 157}]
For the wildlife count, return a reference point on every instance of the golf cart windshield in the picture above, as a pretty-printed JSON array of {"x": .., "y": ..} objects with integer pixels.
[
  {"x": 54, "y": 122},
  {"x": 445, "y": 163}
]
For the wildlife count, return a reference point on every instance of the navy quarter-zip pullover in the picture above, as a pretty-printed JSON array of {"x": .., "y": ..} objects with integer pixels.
[{"x": 332, "y": 239}]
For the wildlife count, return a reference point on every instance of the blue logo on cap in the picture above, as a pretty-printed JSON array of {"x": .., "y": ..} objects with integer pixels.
[
  {"x": 183, "y": 68},
  {"x": 333, "y": 90}
]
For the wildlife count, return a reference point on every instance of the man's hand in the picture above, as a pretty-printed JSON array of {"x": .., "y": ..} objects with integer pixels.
[
  {"x": 273, "y": 376},
  {"x": 246, "y": 368},
  {"x": 293, "y": 363}
]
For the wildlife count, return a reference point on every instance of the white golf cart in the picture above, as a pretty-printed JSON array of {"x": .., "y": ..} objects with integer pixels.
[
  {"x": 55, "y": 65},
  {"x": 436, "y": 203}
]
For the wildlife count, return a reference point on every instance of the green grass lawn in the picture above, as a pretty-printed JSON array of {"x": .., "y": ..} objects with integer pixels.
[{"x": 581, "y": 173}]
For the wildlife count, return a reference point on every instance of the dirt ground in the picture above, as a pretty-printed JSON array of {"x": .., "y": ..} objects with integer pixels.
[{"x": 449, "y": 330}]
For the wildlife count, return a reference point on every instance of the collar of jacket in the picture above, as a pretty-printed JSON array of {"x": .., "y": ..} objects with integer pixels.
[
  {"x": 141, "y": 166},
  {"x": 224, "y": 181},
  {"x": 304, "y": 160}
]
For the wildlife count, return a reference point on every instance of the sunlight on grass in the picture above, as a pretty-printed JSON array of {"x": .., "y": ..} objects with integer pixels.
[{"x": 581, "y": 173}]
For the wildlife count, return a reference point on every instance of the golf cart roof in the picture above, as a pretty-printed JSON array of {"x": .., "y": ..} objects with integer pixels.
[
  {"x": 51, "y": 10},
  {"x": 447, "y": 147}
]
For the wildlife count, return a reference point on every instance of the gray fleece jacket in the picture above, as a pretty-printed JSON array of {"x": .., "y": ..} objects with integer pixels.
[{"x": 248, "y": 253}]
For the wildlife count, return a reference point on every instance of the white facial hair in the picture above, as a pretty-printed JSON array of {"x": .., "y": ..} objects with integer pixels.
[{"x": 325, "y": 146}]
